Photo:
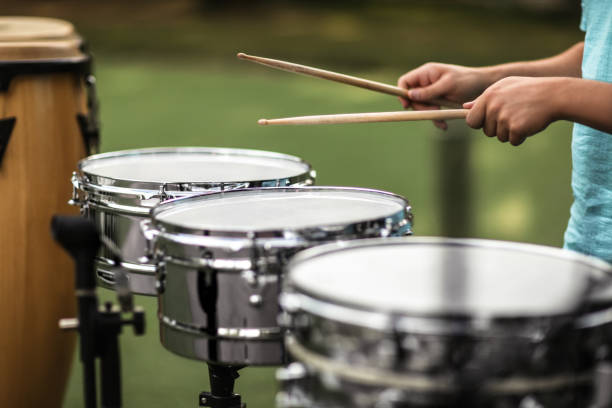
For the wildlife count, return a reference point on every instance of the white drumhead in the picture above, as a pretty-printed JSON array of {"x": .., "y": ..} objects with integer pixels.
[
  {"x": 261, "y": 210},
  {"x": 469, "y": 277},
  {"x": 168, "y": 167}
]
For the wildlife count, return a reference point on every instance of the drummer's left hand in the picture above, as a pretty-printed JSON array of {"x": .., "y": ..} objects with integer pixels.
[{"x": 514, "y": 108}]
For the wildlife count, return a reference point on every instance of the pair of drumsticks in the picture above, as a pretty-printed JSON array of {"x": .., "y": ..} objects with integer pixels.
[{"x": 443, "y": 114}]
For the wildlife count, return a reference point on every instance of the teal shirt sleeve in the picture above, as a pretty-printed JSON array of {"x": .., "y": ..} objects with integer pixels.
[{"x": 589, "y": 229}]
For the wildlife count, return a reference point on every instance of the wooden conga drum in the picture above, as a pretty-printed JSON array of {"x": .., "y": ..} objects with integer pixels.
[{"x": 47, "y": 123}]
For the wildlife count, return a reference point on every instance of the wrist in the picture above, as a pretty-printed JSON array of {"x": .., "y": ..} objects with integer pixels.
[
  {"x": 492, "y": 74},
  {"x": 559, "y": 93}
]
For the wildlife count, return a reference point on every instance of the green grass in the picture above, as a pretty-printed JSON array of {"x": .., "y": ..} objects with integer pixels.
[{"x": 171, "y": 79}]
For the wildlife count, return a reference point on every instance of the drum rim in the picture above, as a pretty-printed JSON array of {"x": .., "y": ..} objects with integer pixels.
[
  {"x": 168, "y": 229},
  {"x": 467, "y": 321},
  {"x": 108, "y": 184}
]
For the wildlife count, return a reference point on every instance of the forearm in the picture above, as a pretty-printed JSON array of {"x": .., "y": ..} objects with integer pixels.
[
  {"x": 566, "y": 64},
  {"x": 584, "y": 101}
]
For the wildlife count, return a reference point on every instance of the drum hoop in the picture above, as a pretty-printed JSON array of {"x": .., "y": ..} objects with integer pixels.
[
  {"x": 424, "y": 383},
  {"x": 530, "y": 328},
  {"x": 152, "y": 189},
  {"x": 401, "y": 219},
  {"x": 227, "y": 333}
]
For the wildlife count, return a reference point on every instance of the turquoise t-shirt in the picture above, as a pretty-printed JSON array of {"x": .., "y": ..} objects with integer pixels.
[{"x": 590, "y": 226}]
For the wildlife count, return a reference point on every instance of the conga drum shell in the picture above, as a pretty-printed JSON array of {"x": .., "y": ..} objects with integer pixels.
[{"x": 43, "y": 141}]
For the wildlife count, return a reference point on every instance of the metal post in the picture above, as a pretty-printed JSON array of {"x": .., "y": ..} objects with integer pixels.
[{"x": 454, "y": 187}]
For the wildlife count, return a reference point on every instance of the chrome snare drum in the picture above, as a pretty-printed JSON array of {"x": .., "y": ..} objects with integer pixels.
[
  {"x": 118, "y": 189},
  {"x": 221, "y": 259},
  {"x": 432, "y": 322}
]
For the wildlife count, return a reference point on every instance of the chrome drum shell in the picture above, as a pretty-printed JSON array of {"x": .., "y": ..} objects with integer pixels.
[
  {"x": 350, "y": 354},
  {"x": 118, "y": 205},
  {"x": 218, "y": 290}
]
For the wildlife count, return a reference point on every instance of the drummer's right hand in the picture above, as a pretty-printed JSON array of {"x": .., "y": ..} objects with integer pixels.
[{"x": 435, "y": 81}]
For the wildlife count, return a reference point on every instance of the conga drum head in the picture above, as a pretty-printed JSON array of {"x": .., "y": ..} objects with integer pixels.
[
  {"x": 221, "y": 260},
  {"x": 118, "y": 189},
  {"x": 34, "y": 28},
  {"x": 38, "y": 38},
  {"x": 437, "y": 319}
]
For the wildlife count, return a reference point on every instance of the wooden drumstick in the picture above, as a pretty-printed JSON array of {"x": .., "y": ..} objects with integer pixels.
[
  {"x": 400, "y": 116},
  {"x": 335, "y": 76}
]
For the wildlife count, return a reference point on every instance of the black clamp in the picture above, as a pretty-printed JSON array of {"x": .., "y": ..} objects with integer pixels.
[
  {"x": 221, "y": 395},
  {"x": 99, "y": 328},
  {"x": 207, "y": 399}
]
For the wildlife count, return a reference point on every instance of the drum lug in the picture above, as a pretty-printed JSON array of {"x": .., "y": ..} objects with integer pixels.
[
  {"x": 150, "y": 234},
  {"x": 255, "y": 300},
  {"x": 289, "y": 302},
  {"x": 294, "y": 371},
  {"x": 160, "y": 282},
  {"x": 6, "y": 129},
  {"x": 250, "y": 278},
  {"x": 76, "y": 199}
]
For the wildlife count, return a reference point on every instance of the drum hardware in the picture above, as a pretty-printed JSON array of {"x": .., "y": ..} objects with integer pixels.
[
  {"x": 221, "y": 393},
  {"x": 98, "y": 327},
  {"x": 6, "y": 128},
  {"x": 603, "y": 386}
]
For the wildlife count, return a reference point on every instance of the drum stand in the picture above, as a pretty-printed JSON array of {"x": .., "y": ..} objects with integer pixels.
[
  {"x": 221, "y": 395},
  {"x": 98, "y": 328}
]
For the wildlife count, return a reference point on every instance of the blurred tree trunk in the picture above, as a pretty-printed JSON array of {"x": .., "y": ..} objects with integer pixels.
[{"x": 454, "y": 184}]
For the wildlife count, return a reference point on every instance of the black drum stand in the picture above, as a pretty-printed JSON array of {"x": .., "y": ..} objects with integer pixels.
[
  {"x": 221, "y": 394},
  {"x": 98, "y": 328}
]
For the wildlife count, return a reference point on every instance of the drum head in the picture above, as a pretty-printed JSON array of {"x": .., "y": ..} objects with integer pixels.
[
  {"x": 38, "y": 39},
  {"x": 280, "y": 209},
  {"x": 184, "y": 165},
  {"x": 33, "y": 29},
  {"x": 444, "y": 277}
]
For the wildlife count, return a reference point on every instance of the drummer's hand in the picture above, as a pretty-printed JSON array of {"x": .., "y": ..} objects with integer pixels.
[
  {"x": 514, "y": 108},
  {"x": 433, "y": 80}
]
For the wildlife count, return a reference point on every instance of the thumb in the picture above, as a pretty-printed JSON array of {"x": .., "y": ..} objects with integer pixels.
[
  {"x": 468, "y": 105},
  {"x": 433, "y": 91}
]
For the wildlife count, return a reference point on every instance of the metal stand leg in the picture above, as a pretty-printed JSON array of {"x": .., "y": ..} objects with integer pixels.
[
  {"x": 603, "y": 386},
  {"x": 221, "y": 393}
]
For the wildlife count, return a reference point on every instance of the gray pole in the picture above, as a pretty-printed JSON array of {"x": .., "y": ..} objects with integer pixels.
[{"x": 454, "y": 187}]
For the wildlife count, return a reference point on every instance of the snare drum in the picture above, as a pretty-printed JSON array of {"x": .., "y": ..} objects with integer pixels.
[
  {"x": 221, "y": 258},
  {"x": 118, "y": 189},
  {"x": 47, "y": 123},
  {"x": 432, "y": 322}
]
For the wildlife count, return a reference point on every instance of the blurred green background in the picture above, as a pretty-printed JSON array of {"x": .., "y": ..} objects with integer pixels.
[{"x": 168, "y": 76}]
